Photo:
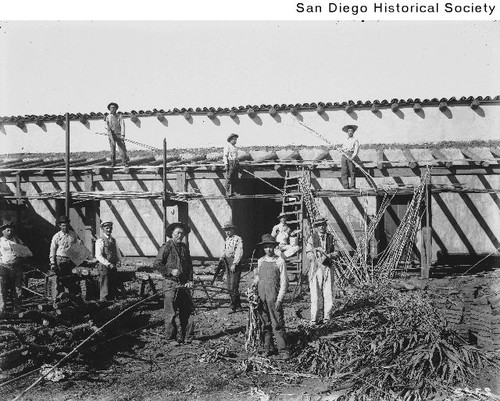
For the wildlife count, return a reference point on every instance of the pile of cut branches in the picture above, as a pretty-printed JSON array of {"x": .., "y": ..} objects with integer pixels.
[{"x": 387, "y": 345}]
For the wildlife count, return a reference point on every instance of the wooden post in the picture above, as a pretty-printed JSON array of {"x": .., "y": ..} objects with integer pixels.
[
  {"x": 91, "y": 208},
  {"x": 68, "y": 195},
  {"x": 164, "y": 178},
  {"x": 426, "y": 254}
]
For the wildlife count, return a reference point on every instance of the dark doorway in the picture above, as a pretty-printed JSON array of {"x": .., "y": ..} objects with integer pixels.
[
  {"x": 392, "y": 219},
  {"x": 256, "y": 216}
]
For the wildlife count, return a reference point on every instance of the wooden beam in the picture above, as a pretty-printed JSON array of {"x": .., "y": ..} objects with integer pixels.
[
  {"x": 412, "y": 162},
  {"x": 426, "y": 253},
  {"x": 380, "y": 159},
  {"x": 181, "y": 181},
  {"x": 441, "y": 158},
  {"x": 476, "y": 158}
]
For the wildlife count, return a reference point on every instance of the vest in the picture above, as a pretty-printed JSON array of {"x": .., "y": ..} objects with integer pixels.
[
  {"x": 330, "y": 242},
  {"x": 109, "y": 250}
]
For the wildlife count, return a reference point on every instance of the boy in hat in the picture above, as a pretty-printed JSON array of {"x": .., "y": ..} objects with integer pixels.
[
  {"x": 271, "y": 279},
  {"x": 108, "y": 255},
  {"x": 115, "y": 125},
  {"x": 232, "y": 254},
  {"x": 60, "y": 263},
  {"x": 282, "y": 232},
  {"x": 350, "y": 149},
  {"x": 230, "y": 160},
  {"x": 174, "y": 263},
  {"x": 11, "y": 267},
  {"x": 320, "y": 251}
]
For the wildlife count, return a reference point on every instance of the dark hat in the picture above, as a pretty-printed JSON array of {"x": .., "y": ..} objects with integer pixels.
[
  {"x": 346, "y": 127},
  {"x": 106, "y": 223},
  {"x": 282, "y": 214},
  {"x": 6, "y": 224},
  {"x": 227, "y": 225},
  {"x": 268, "y": 239},
  {"x": 232, "y": 136},
  {"x": 319, "y": 222},
  {"x": 63, "y": 219},
  {"x": 112, "y": 104},
  {"x": 171, "y": 227}
]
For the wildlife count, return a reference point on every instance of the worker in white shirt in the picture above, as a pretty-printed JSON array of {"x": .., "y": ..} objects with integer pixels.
[
  {"x": 230, "y": 160},
  {"x": 107, "y": 254},
  {"x": 60, "y": 263},
  {"x": 282, "y": 233},
  {"x": 115, "y": 125},
  {"x": 11, "y": 267},
  {"x": 350, "y": 149}
]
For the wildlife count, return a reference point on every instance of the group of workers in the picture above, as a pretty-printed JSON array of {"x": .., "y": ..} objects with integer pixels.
[{"x": 174, "y": 259}]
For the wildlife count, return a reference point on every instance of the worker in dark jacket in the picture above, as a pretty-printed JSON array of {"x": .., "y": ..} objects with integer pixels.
[{"x": 174, "y": 263}]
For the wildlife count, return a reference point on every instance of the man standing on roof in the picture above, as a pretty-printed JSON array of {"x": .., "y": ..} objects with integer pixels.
[
  {"x": 11, "y": 266},
  {"x": 271, "y": 279},
  {"x": 230, "y": 160},
  {"x": 231, "y": 255},
  {"x": 108, "y": 255},
  {"x": 174, "y": 263},
  {"x": 60, "y": 263},
  {"x": 116, "y": 134},
  {"x": 350, "y": 149},
  {"x": 320, "y": 250}
]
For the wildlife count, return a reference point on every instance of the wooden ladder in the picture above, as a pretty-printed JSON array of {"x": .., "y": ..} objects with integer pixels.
[{"x": 293, "y": 207}]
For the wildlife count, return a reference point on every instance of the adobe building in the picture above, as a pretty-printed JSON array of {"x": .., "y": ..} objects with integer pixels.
[{"x": 457, "y": 139}]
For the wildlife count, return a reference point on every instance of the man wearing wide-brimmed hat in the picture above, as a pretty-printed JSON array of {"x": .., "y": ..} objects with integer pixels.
[
  {"x": 271, "y": 279},
  {"x": 174, "y": 263},
  {"x": 115, "y": 125},
  {"x": 60, "y": 263},
  {"x": 231, "y": 255},
  {"x": 11, "y": 266},
  {"x": 108, "y": 255},
  {"x": 230, "y": 160},
  {"x": 350, "y": 149},
  {"x": 320, "y": 251}
]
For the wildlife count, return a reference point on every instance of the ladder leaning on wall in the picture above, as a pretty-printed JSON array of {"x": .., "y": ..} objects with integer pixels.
[{"x": 292, "y": 207}]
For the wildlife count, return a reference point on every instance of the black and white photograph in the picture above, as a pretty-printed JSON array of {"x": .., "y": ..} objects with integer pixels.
[{"x": 251, "y": 209}]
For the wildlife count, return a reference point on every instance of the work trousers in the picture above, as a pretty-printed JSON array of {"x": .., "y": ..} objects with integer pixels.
[
  {"x": 347, "y": 170},
  {"x": 11, "y": 285},
  {"x": 232, "y": 171},
  {"x": 118, "y": 140},
  {"x": 178, "y": 304},
  {"x": 65, "y": 279},
  {"x": 233, "y": 286},
  {"x": 108, "y": 283},
  {"x": 321, "y": 288}
]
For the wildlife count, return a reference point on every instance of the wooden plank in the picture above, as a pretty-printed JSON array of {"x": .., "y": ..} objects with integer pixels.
[
  {"x": 441, "y": 158},
  {"x": 475, "y": 157},
  {"x": 412, "y": 162},
  {"x": 380, "y": 159}
]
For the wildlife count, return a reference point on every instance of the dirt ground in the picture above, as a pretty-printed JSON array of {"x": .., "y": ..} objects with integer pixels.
[{"x": 144, "y": 366}]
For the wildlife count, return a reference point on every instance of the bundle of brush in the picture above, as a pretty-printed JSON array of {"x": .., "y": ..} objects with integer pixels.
[
  {"x": 389, "y": 345},
  {"x": 253, "y": 336}
]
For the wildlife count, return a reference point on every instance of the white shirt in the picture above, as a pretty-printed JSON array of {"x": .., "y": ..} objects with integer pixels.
[
  {"x": 115, "y": 123},
  {"x": 233, "y": 248},
  {"x": 281, "y": 232},
  {"x": 60, "y": 244},
  {"x": 283, "y": 273},
  {"x": 7, "y": 255},
  {"x": 99, "y": 247},
  {"x": 351, "y": 145},
  {"x": 230, "y": 152}
]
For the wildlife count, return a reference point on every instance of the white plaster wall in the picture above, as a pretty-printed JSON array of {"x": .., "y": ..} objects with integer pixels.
[{"x": 460, "y": 122}]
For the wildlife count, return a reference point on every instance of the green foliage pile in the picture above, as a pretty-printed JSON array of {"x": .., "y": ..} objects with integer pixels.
[{"x": 390, "y": 345}]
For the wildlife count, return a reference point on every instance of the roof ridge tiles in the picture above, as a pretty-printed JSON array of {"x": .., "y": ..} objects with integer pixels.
[{"x": 261, "y": 108}]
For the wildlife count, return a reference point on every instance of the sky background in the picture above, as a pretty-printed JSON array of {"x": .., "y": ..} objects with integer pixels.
[{"x": 80, "y": 66}]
